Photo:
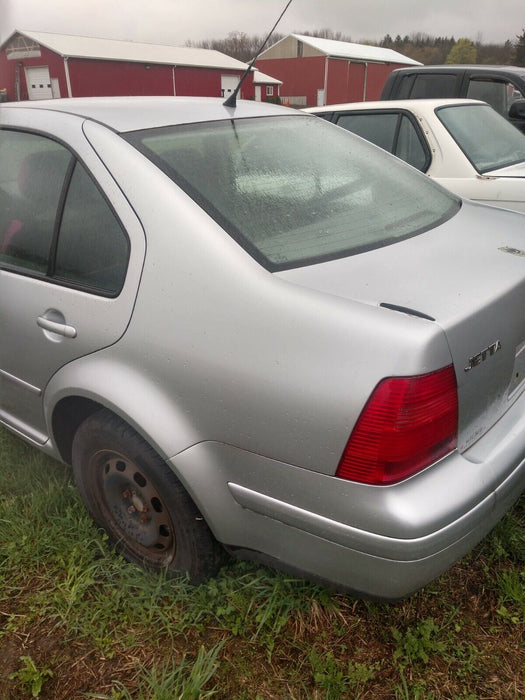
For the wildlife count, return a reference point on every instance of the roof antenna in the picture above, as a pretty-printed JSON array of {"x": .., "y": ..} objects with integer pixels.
[{"x": 232, "y": 99}]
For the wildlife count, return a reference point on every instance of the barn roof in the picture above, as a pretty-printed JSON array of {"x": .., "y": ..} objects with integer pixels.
[
  {"x": 259, "y": 78},
  {"x": 74, "y": 46},
  {"x": 345, "y": 49}
]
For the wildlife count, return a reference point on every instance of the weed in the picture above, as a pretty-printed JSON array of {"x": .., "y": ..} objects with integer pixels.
[
  {"x": 414, "y": 691},
  {"x": 511, "y": 602},
  {"x": 338, "y": 678},
  {"x": 418, "y": 643},
  {"x": 31, "y": 677}
]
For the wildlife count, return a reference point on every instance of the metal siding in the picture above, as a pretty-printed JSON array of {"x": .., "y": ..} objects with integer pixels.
[
  {"x": 7, "y": 75},
  {"x": 377, "y": 74},
  {"x": 300, "y": 76},
  {"x": 345, "y": 79},
  {"x": 105, "y": 78}
]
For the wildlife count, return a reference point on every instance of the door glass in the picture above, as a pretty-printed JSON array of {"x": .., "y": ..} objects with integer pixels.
[
  {"x": 378, "y": 128},
  {"x": 92, "y": 248},
  {"x": 498, "y": 93},
  {"x": 32, "y": 173}
]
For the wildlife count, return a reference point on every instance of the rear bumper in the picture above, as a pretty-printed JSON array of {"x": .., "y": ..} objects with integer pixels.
[{"x": 382, "y": 541}]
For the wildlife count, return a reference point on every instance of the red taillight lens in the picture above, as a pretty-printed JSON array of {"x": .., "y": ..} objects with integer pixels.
[{"x": 407, "y": 424}]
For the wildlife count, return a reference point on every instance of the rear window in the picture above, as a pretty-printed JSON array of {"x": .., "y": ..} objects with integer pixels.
[
  {"x": 489, "y": 141},
  {"x": 295, "y": 190}
]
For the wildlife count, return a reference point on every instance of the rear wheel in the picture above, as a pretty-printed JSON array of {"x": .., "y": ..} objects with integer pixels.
[{"x": 132, "y": 494}]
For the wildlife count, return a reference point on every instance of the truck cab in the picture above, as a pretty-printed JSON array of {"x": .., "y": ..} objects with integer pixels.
[{"x": 503, "y": 87}]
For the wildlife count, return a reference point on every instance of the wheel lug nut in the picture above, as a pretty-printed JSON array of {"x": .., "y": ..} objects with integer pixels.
[
  {"x": 143, "y": 518},
  {"x": 126, "y": 494},
  {"x": 131, "y": 510}
]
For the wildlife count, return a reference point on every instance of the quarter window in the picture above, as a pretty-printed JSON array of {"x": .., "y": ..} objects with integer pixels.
[{"x": 92, "y": 250}]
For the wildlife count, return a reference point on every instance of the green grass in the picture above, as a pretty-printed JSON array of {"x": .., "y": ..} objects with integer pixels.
[{"x": 76, "y": 621}]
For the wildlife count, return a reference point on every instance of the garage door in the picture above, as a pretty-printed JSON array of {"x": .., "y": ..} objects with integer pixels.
[
  {"x": 228, "y": 84},
  {"x": 38, "y": 83}
]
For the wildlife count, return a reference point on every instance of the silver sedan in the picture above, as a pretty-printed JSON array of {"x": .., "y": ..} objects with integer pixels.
[{"x": 247, "y": 329}]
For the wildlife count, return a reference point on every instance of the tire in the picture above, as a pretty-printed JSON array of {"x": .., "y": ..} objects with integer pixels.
[{"x": 132, "y": 494}]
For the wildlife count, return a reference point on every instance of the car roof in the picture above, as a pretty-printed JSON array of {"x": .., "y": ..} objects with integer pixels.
[
  {"x": 412, "y": 105},
  {"x": 456, "y": 68},
  {"x": 124, "y": 114}
]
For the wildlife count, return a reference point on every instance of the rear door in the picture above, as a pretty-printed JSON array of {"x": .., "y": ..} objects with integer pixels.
[{"x": 71, "y": 253}]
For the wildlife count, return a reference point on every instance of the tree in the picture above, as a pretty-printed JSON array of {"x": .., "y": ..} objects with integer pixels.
[
  {"x": 519, "y": 50},
  {"x": 463, "y": 51}
]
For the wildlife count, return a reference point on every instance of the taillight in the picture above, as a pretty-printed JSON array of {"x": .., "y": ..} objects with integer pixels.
[{"x": 407, "y": 424}]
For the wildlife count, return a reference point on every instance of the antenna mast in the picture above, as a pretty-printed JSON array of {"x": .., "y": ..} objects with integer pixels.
[{"x": 232, "y": 99}]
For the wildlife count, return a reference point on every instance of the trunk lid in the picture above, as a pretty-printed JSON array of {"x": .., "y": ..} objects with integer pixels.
[{"x": 468, "y": 276}]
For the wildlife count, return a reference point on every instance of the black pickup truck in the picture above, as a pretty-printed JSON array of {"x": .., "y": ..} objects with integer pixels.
[{"x": 503, "y": 87}]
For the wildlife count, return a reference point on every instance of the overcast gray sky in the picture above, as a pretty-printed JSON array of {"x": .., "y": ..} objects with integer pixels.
[{"x": 176, "y": 21}]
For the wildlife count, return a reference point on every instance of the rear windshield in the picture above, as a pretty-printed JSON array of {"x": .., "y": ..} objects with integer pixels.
[
  {"x": 487, "y": 139},
  {"x": 295, "y": 190}
]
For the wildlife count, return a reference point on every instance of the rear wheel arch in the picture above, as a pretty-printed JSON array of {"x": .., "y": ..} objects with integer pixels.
[{"x": 68, "y": 415}]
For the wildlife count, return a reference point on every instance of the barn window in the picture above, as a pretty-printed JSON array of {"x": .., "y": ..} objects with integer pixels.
[{"x": 269, "y": 91}]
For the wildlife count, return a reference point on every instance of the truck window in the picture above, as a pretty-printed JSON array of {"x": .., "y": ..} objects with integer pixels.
[
  {"x": 433, "y": 85},
  {"x": 499, "y": 94}
]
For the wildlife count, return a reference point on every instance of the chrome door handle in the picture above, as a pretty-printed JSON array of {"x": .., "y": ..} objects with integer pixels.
[{"x": 58, "y": 328}]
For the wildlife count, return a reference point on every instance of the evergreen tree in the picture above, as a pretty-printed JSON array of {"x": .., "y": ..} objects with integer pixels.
[{"x": 519, "y": 50}]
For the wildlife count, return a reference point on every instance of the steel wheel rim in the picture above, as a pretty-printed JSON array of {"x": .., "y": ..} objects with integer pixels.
[{"x": 134, "y": 510}]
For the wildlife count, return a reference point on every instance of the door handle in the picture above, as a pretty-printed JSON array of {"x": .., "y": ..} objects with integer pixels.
[{"x": 58, "y": 328}]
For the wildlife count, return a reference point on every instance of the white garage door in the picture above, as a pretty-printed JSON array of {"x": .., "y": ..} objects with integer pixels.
[
  {"x": 228, "y": 84},
  {"x": 38, "y": 83}
]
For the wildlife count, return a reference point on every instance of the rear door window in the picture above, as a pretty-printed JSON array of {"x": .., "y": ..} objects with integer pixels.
[
  {"x": 54, "y": 221},
  {"x": 32, "y": 175},
  {"x": 380, "y": 128},
  {"x": 393, "y": 131}
]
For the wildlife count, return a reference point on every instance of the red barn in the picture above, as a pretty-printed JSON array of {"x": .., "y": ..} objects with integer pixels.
[
  {"x": 316, "y": 72},
  {"x": 40, "y": 65}
]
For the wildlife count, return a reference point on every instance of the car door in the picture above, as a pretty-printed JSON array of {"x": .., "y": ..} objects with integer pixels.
[{"x": 71, "y": 253}]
